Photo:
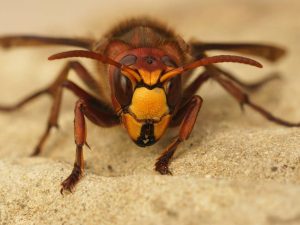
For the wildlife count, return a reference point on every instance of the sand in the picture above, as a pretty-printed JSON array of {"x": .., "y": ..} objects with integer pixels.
[{"x": 236, "y": 168}]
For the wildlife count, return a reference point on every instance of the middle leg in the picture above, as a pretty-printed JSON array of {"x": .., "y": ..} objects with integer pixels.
[
  {"x": 211, "y": 71},
  {"x": 244, "y": 99},
  {"x": 55, "y": 91},
  {"x": 248, "y": 86}
]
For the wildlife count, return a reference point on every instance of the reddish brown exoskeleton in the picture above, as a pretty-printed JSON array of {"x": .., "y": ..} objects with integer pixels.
[{"x": 141, "y": 84}]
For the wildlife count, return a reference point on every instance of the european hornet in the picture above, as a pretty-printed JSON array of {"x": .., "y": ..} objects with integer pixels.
[{"x": 145, "y": 66}]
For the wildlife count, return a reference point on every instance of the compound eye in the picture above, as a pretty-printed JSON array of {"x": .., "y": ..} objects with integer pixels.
[
  {"x": 168, "y": 61},
  {"x": 128, "y": 60},
  {"x": 173, "y": 91},
  {"x": 123, "y": 88}
]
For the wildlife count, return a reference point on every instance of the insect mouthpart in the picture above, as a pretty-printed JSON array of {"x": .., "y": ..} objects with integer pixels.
[
  {"x": 145, "y": 132},
  {"x": 146, "y": 137}
]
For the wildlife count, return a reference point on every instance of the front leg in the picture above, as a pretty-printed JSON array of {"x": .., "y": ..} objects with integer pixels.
[
  {"x": 93, "y": 109},
  {"x": 80, "y": 140},
  {"x": 190, "y": 113}
]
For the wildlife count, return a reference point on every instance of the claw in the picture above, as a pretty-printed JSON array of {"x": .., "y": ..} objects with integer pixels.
[
  {"x": 67, "y": 186},
  {"x": 36, "y": 152},
  {"x": 242, "y": 107},
  {"x": 70, "y": 183},
  {"x": 162, "y": 168}
]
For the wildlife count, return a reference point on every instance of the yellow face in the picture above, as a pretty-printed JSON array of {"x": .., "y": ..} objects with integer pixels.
[
  {"x": 148, "y": 115},
  {"x": 149, "y": 104}
]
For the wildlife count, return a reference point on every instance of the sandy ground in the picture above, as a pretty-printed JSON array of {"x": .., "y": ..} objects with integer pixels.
[{"x": 236, "y": 168}]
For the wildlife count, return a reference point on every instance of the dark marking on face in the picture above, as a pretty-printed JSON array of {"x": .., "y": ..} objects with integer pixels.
[
  {"x": 149, "y": 59},
  {"x": 146, "y": 137}
]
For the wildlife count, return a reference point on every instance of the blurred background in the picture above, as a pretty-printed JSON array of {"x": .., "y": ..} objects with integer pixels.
[
  {"x": 212, "y": 20},
  {"x": 226, "y": 148}
]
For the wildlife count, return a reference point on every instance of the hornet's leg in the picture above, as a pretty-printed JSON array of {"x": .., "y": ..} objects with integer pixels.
[
  {"x": 192, "y": 89},
  {"x": 55, "y": 90},
  {"x": 190, "y": 112},
  {"x": 95, "y": 111},
  {"x": 188, "y": 93},
  {"x": 268, "y": 52},
  {"x": 243, "y": 98},
  {"x": 252, "y": 86}
]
